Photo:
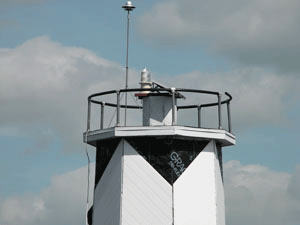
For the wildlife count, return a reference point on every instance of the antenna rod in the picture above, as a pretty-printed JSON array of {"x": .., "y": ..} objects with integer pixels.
[
  {"x": 127, "y": 7},
  {"x": 126, "y": 81}
]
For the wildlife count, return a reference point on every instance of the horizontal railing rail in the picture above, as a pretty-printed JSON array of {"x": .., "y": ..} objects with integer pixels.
[{"x": 174, "y": 92}]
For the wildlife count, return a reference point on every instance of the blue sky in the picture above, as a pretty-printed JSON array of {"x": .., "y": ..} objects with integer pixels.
[{"x": 53, "y": 54}]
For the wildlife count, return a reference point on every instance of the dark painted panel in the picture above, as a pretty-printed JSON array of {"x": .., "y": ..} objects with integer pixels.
[
  {"x": 169, "y": 156},
  {"x": 220, "y": 157},
  {"x": 105, "y": 150},
  {"x": 90, "y": 216}
]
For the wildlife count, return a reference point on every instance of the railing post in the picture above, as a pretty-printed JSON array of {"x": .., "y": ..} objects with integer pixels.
[
  {"x": 102, "y": 115},
  {"x": 118, "y": 108},
  {"x": 219, "y": 111},
  {"x": 229, "y": 117},
  {"x": 89, "y": 115},
  {"x": 199, "y": 115},
  {"x": 173, "y": 106}
]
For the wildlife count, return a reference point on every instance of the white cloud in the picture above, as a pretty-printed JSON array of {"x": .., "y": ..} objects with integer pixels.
[
  {"x": 256, "y": 32},
  {"x": 258, "y": 195},
  {"x": 44, "y": 88},
  {"x": 63, "y": 202},
  {"x": 260, "y": 97},
  {"x": 18, "y": 209},
  {"x": 254, "y": 195}
]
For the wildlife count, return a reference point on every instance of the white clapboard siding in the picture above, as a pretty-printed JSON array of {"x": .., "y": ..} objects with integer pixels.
[
  {"x": 147, "y": 196},
  {"x": 195, "y": 197},
  {"x": 220, "y": 201},
  {"x": 107, "y": 193}
]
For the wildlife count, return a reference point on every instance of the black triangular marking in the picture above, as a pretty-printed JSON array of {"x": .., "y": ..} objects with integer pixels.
[
  {"x": 105, "y": 150},
  {"x": 168, "y": 156}
]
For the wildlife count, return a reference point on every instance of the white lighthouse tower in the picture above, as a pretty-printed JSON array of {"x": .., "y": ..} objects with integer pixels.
[{"x": 158, "y": 173}]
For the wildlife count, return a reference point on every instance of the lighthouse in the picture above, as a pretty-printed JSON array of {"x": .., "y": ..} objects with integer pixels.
[
  {"x": 159, "y": 173},
  {"x": 159, "y": 170}
]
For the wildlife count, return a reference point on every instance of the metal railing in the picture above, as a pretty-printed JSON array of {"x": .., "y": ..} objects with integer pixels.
[{"x": 172, "y": 91}]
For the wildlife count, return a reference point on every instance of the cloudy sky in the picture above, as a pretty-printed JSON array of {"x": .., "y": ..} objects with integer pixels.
[{"x": 53, "y": 54}]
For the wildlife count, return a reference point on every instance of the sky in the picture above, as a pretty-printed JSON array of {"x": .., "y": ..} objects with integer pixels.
[{"x": 53, "y": 54}]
